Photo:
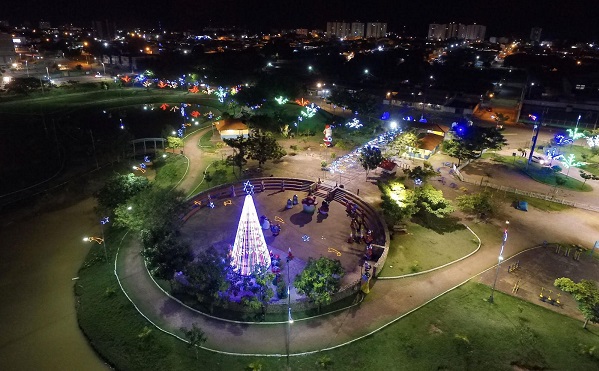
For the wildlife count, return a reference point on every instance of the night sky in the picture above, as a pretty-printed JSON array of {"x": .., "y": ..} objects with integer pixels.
[{"x": 559, "y": 19}]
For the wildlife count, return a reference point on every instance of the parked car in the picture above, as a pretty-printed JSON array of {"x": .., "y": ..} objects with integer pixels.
[{"x": 538, "y": 159}]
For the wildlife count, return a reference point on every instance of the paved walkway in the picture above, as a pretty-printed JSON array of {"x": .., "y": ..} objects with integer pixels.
[{"x": 389, "y": 299}]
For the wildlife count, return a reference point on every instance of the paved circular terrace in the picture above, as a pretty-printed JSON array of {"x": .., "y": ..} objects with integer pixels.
[{"x": 307, "y": 235}]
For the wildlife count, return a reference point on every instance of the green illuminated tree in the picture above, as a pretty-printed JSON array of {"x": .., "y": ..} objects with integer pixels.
[
  {"x": 174, "y": 142},
  {"x": 398, "y": 203},
  {"x": 155, "y": 209},
  {"x": 432, "y": 202},
  {"x": 481, "y": 203},
  {"x": 320, "y": 280},
  {"x": 586, "y": 295},
  {"x": 120, "y": 188}
]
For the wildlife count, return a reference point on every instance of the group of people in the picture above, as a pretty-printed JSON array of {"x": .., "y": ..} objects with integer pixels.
[{"x": 266, "y": 225}]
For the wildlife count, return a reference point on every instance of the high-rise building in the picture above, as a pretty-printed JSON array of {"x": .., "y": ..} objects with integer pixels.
[
  {"x": 104, "y": 30},
  {"x": 436, "y": 31},
  {"x": 357, "y": 30},
  {"x": 7, "y": 50},
  {"x": 376, "y": 30},
  {"x": 456, "y": 30},
  {"x": 475, "y": 32},
  {"x": 338, "y": 29},
  {"x": 535, "y": 34}
]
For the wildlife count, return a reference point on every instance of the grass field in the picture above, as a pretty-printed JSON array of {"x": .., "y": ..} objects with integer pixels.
[
  {"x": 458, "y": 331},
  {"x": 169, "y": 171},
  {"x": 541, "y": 174},
  {"x": 422, "y": 249}
]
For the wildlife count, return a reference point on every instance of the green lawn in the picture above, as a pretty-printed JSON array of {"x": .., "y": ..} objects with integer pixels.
[
  {"x": 205, "y": 142},
  {"x": 72, "y": 101},
  {"x": 457, "y": 331},
  {"x": 541, "y": 174},
  {"x": 169, "y": 171},
  {"x": 422, "y": 249},
  {"x": 543, "y": 205}
]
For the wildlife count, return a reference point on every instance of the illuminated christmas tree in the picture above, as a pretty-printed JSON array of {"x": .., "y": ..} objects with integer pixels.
[{"x": 249, "y": 249}]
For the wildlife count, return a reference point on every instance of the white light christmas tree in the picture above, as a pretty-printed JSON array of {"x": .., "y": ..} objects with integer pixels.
[{"x": 249, "y": 249}]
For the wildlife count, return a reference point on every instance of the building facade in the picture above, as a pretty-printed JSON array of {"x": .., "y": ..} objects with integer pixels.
[
  {"x": 8, "y": 55},
  {"x": 454, "y": 30},
  {"x": 357, "y": 30},
  {"x": 338, "y": 29},
  {"x": 376, "y": 30}
]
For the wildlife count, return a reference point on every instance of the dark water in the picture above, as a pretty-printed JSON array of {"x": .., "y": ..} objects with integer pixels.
[{"x": 39, "y": 257}]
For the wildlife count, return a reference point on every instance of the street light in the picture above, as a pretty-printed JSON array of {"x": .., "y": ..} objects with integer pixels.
[
  {"x": 104, "y": 67},
  {"x": 99, "y": 241},
  {"x": 289, "y": 318},
  {"x": 499, "y": 259},
  {"x": 47, "y": 73}
]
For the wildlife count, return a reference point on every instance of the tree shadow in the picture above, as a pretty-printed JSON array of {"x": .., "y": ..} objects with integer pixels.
[
  {"x": 439, "y": 225},
  {"x": 301, "y": 218}
]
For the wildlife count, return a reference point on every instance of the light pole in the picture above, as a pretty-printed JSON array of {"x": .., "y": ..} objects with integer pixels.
[
  {"x": 103, "y": 221},
  {"x": 104, "y": 67},
  {"x": 47, "y": 73},
  {"x": 27, "y": 66},
  {"x": 499, "y": 260},
  {"x": 289, "y": 318}
]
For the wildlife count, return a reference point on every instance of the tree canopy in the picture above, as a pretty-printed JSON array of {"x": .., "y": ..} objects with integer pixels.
[
  {"x": 398, "y": 202},
  {"x": 155, "y": 209},
  {"x": 423, "y": 172},
  {"x": 165, "y": 252},
  {"x": 402, "y": 144},
  {"x": 481, "y": 203},
  {"x": 370, "y": 158},
  {"x": 120, "y": 188},
  {"x": 431, "y": 201},
  {"x": 470, "y": 141},
  {"x": 320, "y": 280},
  {"x": 263, "y": 146},
  {"x": 586, "y": 295}
]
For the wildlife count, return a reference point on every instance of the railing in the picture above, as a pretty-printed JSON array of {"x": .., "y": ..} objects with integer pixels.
[
  {"x": 540, "y": 196},
  {"x": 374, "y": 220}
]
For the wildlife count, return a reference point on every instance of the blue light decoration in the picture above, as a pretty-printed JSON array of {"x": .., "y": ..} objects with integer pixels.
[
  {"x": 352, "y": 159},
  {"x": 105, "y": 220},
  {"x": 248, "y": 188},
  {"x": 562, "y": 140},
  {"x": 532, "y": 117},
  {"x": 423, "y": 120},
  {"x": 180, "y": 133},
  {"x": 385, "y": 116},
  {"x": 183, "y": 105},
  {"x": 306, "y": 238},
  {"x": 210, "y": 203},
  {"x": 418, "y": 181},
  {"x": 122, "y": 125},
  {"x": 354, "y": 123},
  {"x": 142, "y": 165},
  {"x": 147, "y": 159}
]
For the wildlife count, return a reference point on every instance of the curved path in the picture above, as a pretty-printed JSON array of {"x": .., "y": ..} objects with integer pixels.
[{"x": 388, "y": 301}]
